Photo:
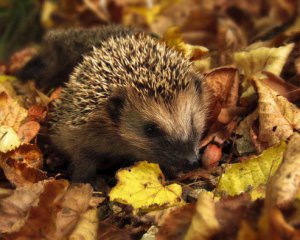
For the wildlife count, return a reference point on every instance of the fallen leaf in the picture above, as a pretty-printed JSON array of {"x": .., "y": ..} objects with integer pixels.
[
  {"x": 74, "y": 204},
  {"x": 37, "y": 113},
  {"x": 28, "y": 131},
  {"x": 244, "y": 143},
  {"x": 110, "y": 232},
  {"x": 241, "y": 177},
  {"x": 21, "y": 174},
  {"x": 224, "y": 85},
  {"x": 20, "y": 58},
  {"x": 177, "y": 223},
  {"x": 40, "y": 217},
  {"x": 283, "y": 88},
  {"x": 14, "y": 208},
  {"x": 204, "y": 223},
  {"x": 252, "y": 63},
  {"x": 9, "y": 140},
  {"x": 142, "y": 186},
  {"x": 278, "y": 118},
  {"x": 285, "y": 183},
  {"x": 87, "y": 226},
  {"x": 27, "y": 153},
  {"x": 12, "y": 114}
]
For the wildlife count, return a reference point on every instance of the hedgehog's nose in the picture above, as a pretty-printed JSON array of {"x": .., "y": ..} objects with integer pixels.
[{"x": 191, "y": 162}]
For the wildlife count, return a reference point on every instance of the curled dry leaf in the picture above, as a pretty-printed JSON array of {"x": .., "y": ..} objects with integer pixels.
[
  {"x": 285, "y": 89},
  {"x": 275, "y": 120},
  {"x": 285, "y": 184},
  {"x": 252, "y": 63},
  {"x": 141, "y": 186},
  {"x": 223, "y": 83},
  {"x": 278, "y": 118},
  {"x": 9, "y": 140},
  {"x": 244, "y": 143},
  {"x": 252, "y": 172}
]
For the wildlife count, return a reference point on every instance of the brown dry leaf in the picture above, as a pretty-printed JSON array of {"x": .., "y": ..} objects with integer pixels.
[
  {"x": 285, "y": 184},
  {"x": 223, "y": 83},
  {"x": 176, "y": 224},
  {"x": 28, "y": 131},
  {"x": 14, "y": 208},
  {"x": 278, "y": 118},
  {"x": 253, "y": 62},
  {"x": 87, "y": 226},
  {"x": 21, "y": 166},
  {"x": 74, "y": 204},
  {"x": 21, "y": 174},
  {"x": 40, "y": 221},
  {"x": 27, "y": 153},
  {"x": 285, "y": 89},
  {"x": 20, "y": 58},
  {"x": 12, "y": 114},
  {"x": 111, "y": 232},
  {"x": 37, "y": 113},
  {"x": 56, "y": 93},
  {"x": 204, "y": 223},
  {"x": 245, "y": 143}
]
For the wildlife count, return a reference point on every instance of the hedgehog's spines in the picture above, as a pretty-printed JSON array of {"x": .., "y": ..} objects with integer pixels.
[{"x": 136, "y": 61}]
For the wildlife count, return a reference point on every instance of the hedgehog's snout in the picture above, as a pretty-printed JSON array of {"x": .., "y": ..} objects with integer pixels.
[{"x": 191, "y": 161}]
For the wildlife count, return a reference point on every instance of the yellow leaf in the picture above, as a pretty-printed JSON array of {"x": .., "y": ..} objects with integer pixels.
[
  {"x": 150, "y": 13},
  {"x": 4, "y": 78},
  {"x": 197, "y": 54},
  {"x": 251, "y": 173},
  {"x": 252, "y": 63},
  {"x": 87, "y": 226},
  {"x": 204, "y": 223},
  {"x": 49, "y": 7},
  {"x": 141, "y": 186},
  {"x": 9, "y": 140}
]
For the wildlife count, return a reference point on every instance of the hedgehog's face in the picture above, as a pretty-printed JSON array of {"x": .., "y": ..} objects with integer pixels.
[{"x": 167, "y": 133}]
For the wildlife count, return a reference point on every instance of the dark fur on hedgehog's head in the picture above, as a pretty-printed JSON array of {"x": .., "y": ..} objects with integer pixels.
[{"x": 145, "y": 95}]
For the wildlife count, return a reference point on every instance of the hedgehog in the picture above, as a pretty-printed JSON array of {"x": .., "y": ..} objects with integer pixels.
[{"x": 128, "y": 96}]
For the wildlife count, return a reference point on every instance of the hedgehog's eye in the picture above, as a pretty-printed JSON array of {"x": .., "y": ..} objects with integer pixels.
[{"x": 152, "y": 130}]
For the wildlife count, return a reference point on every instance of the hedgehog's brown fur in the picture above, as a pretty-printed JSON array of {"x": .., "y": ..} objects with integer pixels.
[{"x": 120, "y": 89}]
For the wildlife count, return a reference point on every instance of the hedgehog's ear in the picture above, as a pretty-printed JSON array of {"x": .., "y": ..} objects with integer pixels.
[{"x": 115, "y": 103}]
